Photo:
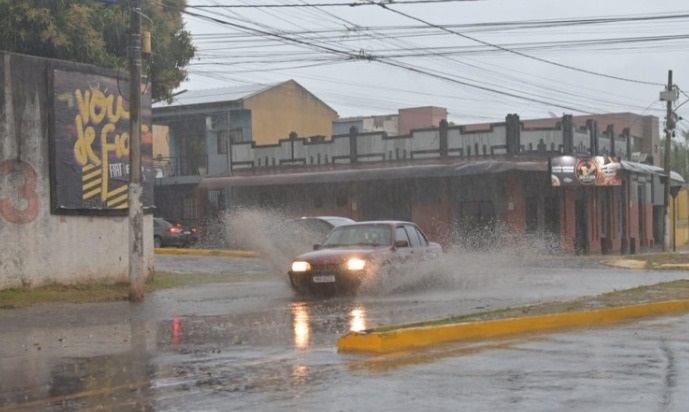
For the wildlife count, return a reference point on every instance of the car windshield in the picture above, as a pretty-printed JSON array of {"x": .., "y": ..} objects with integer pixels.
[
  {"x": 338, "y": 221},
  {"x": 359, "y": 235}
]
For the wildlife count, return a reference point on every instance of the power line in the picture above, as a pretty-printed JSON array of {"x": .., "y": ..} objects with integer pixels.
[
  {"x": 347, "y": 4},
  {"x": 276, "y": 35},
  {"x": 516, "y": 52},
  {"x": 349, "y": 55}
]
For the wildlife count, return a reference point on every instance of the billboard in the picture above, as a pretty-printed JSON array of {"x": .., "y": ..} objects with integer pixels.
[
  {"x": 585, "y": 171},
  {"x": 90, "y": 143}
]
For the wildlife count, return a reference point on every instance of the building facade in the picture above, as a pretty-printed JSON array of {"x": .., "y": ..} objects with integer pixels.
[
  {"x": 479, "y": 186},
  {"x": 195, "y": 131}
]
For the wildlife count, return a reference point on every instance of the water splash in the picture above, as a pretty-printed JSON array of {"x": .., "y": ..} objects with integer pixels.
[
  {"x": 463, "y": 265},
  {"x": 271, "y": 234}
]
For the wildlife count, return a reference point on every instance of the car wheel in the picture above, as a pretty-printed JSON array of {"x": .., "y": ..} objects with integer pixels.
[{"x": 157, "y": 242}]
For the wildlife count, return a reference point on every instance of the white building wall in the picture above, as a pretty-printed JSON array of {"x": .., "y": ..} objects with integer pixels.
[
  {"x": 457, "y": 140},
  {"x": 534, "y": 138}
]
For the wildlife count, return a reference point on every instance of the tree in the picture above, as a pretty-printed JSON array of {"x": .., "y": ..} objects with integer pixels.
[
  {"x": 679, "y": 157},
  {"x": 96, "y": 32}
]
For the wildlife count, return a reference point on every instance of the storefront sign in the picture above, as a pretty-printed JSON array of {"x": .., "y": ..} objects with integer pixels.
[{"x": 585, "y": 171}]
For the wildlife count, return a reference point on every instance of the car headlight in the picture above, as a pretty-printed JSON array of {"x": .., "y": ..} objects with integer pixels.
[
  {"x": 300, "y": 266},
  {"x": 356, "y": 264}
]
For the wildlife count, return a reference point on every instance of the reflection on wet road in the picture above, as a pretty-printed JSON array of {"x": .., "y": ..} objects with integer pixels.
[{"x": 253, "y": 345}]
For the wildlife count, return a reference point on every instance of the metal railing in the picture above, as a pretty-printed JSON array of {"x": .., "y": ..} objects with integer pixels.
[{"x": 180, "y": 166}]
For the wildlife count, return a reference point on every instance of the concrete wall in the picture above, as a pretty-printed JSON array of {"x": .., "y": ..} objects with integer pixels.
[
  {"x": 342, "y": 126},
  {"x": 420, "y": 117},
  {"x": 385, "y": 123},
  {"x": 366, "y": 124},
  {"x": 644, "y": 131},
  {"x": 419, "y": 144},
  {"x": 40, "y": 247},
  {"x": 161, "y": 141},
  {"x": 287, "y": 108},
  {"x": 679, "y": 218}
]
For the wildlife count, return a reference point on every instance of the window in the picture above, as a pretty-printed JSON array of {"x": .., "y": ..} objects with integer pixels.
[
  {"x": 222, "y": 141},
  {"x": 188, "y": 208},
  {"x": 401, "y": 234},
  {"x": 413, "y": 236},
  {"x": 236, "y": 135},
  {"x": 422, "y": 237}
]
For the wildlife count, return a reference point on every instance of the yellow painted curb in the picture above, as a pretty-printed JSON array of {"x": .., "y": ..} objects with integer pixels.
[
  {"x": 204, "y": 252},
  {"x": 625, "y": 263},
  {"x": 431, "y": 335}
]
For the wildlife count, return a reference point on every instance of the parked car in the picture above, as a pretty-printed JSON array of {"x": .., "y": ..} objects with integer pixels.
[
  {"x": 194, "y": 237},
  {"x": 166, "y": 233},
  {"x": 355, "y": 251}
]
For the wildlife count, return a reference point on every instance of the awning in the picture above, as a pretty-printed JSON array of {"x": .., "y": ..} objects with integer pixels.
[
  {"x": 359, "y": 173},
  {"x": 650, "y": 169}
]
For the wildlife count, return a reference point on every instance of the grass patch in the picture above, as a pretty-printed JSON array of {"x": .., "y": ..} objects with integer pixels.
[{"x": 92, "y": 292}]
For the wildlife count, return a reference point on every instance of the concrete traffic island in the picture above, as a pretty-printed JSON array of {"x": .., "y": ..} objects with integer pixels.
[{"x": 401, "y": 338}]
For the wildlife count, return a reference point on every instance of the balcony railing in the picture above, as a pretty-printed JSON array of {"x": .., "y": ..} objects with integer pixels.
[{"x": 180, "y": 166}]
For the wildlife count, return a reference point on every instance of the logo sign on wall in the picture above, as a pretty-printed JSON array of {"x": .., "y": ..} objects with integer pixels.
[
  {"x": 90, "y": 143},
  {"x": 585, "y": 171}
]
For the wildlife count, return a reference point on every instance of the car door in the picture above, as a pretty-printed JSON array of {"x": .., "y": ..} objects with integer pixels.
[
  {"x": 420, "y": 245},
  {"x": 403, "y": 251}
]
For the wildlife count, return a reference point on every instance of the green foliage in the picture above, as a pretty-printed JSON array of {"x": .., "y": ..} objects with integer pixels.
[
  {"x": 93, "y": 32},
  {"x": 679, "y": 156}
]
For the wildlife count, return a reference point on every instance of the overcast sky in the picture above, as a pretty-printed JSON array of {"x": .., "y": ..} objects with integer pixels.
[{"x": 479, "y": 59}]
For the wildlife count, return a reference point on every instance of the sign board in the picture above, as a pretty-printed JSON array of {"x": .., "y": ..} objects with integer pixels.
[
  {"x": 90, "y": 143},
  {"x": 585, "y": 171}
]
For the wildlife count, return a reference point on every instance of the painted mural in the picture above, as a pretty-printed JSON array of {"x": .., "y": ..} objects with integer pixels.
[{"x": 90, "y": 142}]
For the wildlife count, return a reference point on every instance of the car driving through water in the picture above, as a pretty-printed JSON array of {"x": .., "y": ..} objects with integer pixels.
[{"x": 354, "y": 252}]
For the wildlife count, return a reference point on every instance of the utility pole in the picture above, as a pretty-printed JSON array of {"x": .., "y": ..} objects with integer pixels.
[
  {"x": 668, "y": 96},
  {"x": 136, "y": 218}
]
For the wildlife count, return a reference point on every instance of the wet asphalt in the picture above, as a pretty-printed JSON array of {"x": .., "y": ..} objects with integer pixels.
[{"x": 252, "y": 344}]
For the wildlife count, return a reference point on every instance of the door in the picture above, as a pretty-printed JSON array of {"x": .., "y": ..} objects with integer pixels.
[{"x": 581, "y": 227}]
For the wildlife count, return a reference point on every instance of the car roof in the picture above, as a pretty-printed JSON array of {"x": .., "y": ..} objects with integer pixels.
[
  {"x": 380, "y": 222},
  {"x": 333, "y": 220}
]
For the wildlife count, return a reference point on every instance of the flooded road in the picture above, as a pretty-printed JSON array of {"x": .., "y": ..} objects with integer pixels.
[{"x": 254, "y": 345}]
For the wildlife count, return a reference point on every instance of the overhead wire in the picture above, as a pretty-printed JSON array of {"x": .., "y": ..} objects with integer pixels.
[
  {"x": 340, "y": 4},
  {"x": 385, "y": 6},
  {"x": 348, "y": 55}
]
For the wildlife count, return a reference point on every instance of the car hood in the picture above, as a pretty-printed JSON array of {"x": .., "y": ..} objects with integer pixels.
[{"x": 340, "y": 254}]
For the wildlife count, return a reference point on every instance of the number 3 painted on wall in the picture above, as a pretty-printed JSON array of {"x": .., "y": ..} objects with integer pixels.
[{"x": 23, "y": 178}]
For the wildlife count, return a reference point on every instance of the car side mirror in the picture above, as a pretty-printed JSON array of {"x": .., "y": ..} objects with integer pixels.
[
  {"x": 317, "y": 246},
  {"x": 401, "y": 243}
]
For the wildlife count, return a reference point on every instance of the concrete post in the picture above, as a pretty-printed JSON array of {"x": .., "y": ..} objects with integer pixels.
[
  {"x": 353, "y": 152},
  {"x": 443, "y": 138},
  {"x": 136, "y": 215}
]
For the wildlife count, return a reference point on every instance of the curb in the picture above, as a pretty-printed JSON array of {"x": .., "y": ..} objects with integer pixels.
[
  {"x": 642, "y": 264},
  {"x": 427, "y": 336},
  {"x": 625, "y": 263},
  {"x": 204, "y": 252}
]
